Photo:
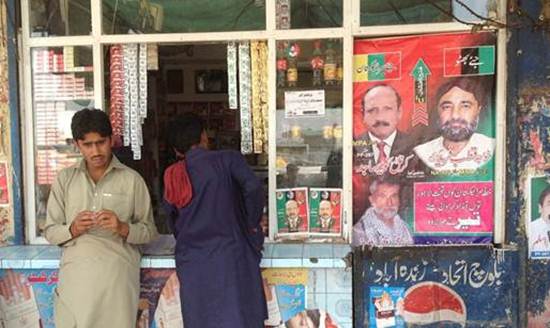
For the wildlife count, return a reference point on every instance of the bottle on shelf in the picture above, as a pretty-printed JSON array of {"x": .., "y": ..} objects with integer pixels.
[
  {"x": 317, "y": 64},
  {"x": 292, "y": 71},
  {"x": 339, "y": 66},
  {"x": 282, "y": 65},
  {"x": 330, "y": 64}
]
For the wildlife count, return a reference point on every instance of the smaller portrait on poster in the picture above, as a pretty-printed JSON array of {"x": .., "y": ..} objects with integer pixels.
[
  {"x": 381, "y": 224},
  {"x": 292, "y": 210},
  {"x": 383, "y": 307},
  {"x": 538, "y": 226},
  {"x": 325, "y": 211}
]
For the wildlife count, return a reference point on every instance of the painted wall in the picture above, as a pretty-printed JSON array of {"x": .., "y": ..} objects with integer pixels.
[
  {"x": 444, "y": 286},
  {"x": 529, "y": 154}
]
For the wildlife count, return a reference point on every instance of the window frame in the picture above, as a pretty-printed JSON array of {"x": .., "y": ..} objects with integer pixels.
[{"x": 349, "y": 31}]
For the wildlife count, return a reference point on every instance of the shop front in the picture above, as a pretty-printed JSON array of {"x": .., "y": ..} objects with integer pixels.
[{"x": 378, "y": 130}]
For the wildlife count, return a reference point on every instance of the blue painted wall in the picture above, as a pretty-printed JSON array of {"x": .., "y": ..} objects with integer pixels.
[
  {"x": 15, "y": 130},
  {"x": 529, "y": 79},
  {"x": 444, "y": 286}
]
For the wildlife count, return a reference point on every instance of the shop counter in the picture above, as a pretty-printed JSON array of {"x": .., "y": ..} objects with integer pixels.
[
  {"x": 275, "y": 256},
  {"x": 300, "y": 280}
]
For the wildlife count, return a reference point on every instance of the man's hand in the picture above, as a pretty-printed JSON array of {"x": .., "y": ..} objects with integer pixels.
[
  {"x": 82, "y": 223},
  {"x": 108, "y": 220}
]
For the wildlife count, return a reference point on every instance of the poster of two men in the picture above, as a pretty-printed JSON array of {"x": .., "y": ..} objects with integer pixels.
[{"x": 423, "y": 134}]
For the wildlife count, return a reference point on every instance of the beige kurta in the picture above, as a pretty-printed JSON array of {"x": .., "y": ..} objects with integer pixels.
[{"x": 99, "y": 271}]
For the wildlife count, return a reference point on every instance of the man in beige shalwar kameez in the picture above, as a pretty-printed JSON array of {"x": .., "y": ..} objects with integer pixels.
[{"x": 98, "y": 211}]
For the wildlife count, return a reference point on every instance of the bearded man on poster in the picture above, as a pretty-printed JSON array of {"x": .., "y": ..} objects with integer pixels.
[
  {"x": 460, "y": 147},
  {"x": 381, "y": 224}
]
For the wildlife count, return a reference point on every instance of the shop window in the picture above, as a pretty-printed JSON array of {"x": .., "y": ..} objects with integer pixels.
[
  {"x": 309, "y": 111},
  {"x": 309, "y": 138},
  {"x": 62, "y": 83},
  {"x": 190, "y": 78},
  {"x": 59, "y": 18},
  {"x": 175, "y": 16},
  {"x": 395, "y": 12},
  {"x": 295, "y": 14}
]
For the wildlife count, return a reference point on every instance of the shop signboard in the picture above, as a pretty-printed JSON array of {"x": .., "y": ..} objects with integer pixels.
[{"x": 435, "y": 287}]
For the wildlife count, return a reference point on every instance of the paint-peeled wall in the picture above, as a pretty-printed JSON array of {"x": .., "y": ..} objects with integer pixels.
[{"x": 528, "y": 156}]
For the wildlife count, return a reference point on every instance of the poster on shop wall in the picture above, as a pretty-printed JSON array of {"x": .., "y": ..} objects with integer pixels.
[
  {"x": 325, "y": 211},
  {"x": 424, "y": 139},
  {"x": 538, "y": 222},
  {"x": 287, "y": 292},
  {"x": 292, "y": 211}
]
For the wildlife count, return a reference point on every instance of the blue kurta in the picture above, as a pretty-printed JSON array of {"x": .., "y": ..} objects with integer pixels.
[{"x": 219, "y": 241}]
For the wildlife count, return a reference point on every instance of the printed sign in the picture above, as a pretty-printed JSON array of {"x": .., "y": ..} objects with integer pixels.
[
  {"x": 469, "y": 61},
  {"x": 377, "y": 67},
  {"x": 304, "y": 103},
  {"x": 453, "y": 207}
]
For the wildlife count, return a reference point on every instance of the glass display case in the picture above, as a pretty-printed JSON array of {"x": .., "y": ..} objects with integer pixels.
[
  {"x": 62, "y": 83},
  {"x": 309, "y": 137}
]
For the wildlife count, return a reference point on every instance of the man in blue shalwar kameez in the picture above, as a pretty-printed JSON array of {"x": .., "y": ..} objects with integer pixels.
[{"x": 215, "y": 204}]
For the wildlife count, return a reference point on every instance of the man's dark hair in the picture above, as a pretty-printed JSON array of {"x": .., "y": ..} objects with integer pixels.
[
  {"x": 381, "y": 85},
  {"x": 543, "y": 195},
  {"x": 90, "y": 120},
  {"x": 185, "y": 131},
  {"x": 473, "y": 85}
]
